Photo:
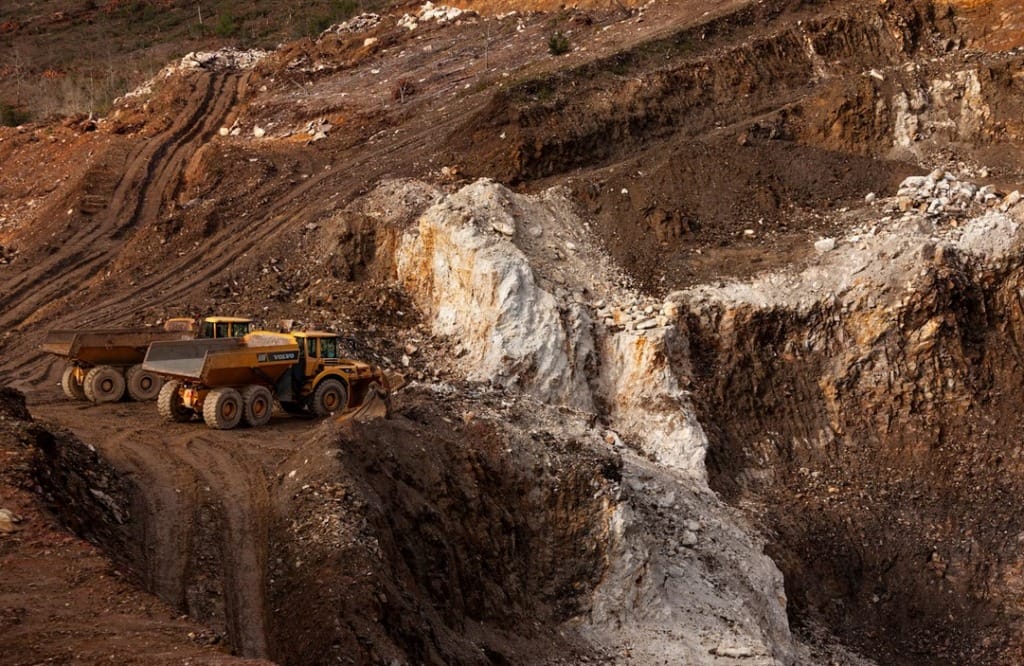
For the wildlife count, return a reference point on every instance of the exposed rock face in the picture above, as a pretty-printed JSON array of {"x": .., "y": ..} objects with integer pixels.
[
  {"x": 473, "y": 282},
  {"x": 475, "y": 263},
  {"x": 642, "y": 373},
  {"x": 685, "y": 580},
  {"x": 858, "y": 400}
]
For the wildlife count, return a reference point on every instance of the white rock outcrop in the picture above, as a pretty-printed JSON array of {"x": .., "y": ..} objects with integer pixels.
[
  {"x": 534, "y": 305},
  {"x": 642, "y": 390},
  {"x": 490, "y": 268},
  {"x": 473, "y": 283}
]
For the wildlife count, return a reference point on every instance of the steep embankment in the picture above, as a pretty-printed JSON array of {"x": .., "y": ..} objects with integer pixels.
[{"x": 871, "y": 406}]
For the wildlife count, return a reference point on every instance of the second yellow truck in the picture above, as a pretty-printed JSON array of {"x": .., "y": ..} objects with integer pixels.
[
  {"x": 104, "y": 364},
  {"x": 233, "y": 381}
]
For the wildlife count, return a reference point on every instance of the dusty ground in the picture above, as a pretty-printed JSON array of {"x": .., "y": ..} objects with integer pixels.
[
  {"x": 62, "y": 599},
  {"x": 698, "y": 144}
]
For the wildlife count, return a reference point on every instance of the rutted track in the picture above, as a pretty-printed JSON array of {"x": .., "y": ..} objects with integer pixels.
[
  {"x": 204, "y": 523},
  {"x": 150, "y": 178}
]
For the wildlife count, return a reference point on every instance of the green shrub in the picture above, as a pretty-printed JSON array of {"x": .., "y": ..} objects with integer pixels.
[
  {"x": 227, "y": 26},
  {"x": 12, "y": 116},
  {"x": 558, "y": 43},
  {"x": 342, "y": 10}
]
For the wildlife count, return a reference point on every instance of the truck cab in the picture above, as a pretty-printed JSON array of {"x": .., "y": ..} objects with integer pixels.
[
  {"x": 210, "y": 327},
  {"x": 224, "y": 327},
  {"x": 317, "y": 350}
]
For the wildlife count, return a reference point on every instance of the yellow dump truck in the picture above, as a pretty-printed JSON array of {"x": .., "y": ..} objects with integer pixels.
[
  {"x": 103, "y": 364},
  {"x": 232, "y": 381}
]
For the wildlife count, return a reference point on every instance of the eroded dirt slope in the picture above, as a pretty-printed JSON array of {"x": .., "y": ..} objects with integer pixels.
[{"x": 61, "y": 599}]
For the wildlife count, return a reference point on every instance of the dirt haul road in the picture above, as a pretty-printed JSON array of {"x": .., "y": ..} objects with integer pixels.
[{"x": 190, "y": 472}]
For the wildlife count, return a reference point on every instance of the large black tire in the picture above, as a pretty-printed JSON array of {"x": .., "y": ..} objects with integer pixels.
[
  {"x": 330, "y": 396},
  {"x": 104, "y": 383},
  {"x": 258, "y": 404},
  {"x": 222, "y": 408},
  {"x": 142, "y": 385},
  {"x": 72, "y": 388},
  {"x": 170, "y": 404}
]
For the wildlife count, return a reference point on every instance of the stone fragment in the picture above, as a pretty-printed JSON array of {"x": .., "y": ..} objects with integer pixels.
[
  {"x": 688, "y": 539},
  {"x": 825, "y": 245},
  {"x": 259, "y": 132},
  {"x": 913, "y": 182},
  {"x": 503, "y": 228},
  {"x": 8, "y": 521},
  {"x": 741, "y": 652}
]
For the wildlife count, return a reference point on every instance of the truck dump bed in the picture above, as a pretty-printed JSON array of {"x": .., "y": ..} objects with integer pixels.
[
  {"x": 255, "y": 359},
  {"x": 106, "y": 346}
]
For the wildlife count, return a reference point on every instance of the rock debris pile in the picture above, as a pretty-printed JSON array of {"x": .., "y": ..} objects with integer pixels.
[
  {"x": 222, "y": 59},
  {"x": 440, "y": 14},
  {"x": 358, "y": 23},
  {"x": 226, "y": 58},
  {"x": 942, "y": 195}
]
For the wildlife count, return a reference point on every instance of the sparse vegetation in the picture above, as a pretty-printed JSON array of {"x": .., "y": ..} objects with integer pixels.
[
  {"x": 558, "y": 43},
  {"x": 335, "y": 12},
  {"x": 11, "y": 116},
  {"x": 227, "y": 26},
  {"x": 403, "y": 89},
  {"x": 106, "y": 48}
]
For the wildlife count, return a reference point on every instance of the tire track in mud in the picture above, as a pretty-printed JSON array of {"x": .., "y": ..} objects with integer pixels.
[
  {"x": 150, "y": 178},
  {"x": 170, "y": 498},
  {"x": 182, "y": 470},
  {"x": 241, "y": 489},
  {"x": 228, "y": 246}
]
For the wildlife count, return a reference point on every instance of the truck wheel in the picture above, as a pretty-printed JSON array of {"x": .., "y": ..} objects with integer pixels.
[
  {"x": 330, "y": 396},
  {"x": 142, "y": 385},
  {"x": 258, "y": 404},
  {"x": 104, "y": 383},
  {"x": 170, "y": 404},
  {"x": 72, "y": 388},
  {"x": 222, "y": 408}
]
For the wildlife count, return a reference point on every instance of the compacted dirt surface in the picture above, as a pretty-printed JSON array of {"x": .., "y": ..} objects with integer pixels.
[{"x": 695, "y": 373}]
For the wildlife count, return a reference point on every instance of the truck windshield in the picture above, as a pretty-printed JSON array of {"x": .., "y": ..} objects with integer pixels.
[
  {"x": 207, "y": 329},
  {"x": 329, "y": 347},
  {"x": 240, "y": 329},
  {"x": 223, "y": 329},
  {"x": 311, "y": 347}
]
